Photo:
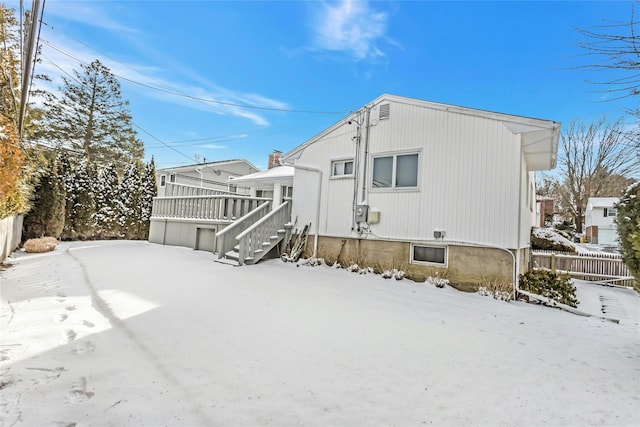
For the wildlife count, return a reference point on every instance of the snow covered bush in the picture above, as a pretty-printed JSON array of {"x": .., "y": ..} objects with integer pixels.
[
  {"x": 311, "y": 262},
  {"x": 394, "y": 274},
  {"x": 502, "y": 291},
  {"x": 555, "y": 287},
  {"x": 438, "y": 281},
  {"x": 550, "y": 239}
]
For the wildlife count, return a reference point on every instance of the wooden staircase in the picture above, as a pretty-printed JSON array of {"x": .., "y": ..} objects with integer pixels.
[
  {"x": 232, "y": 257},
  {"x": 258, "y": 235}
]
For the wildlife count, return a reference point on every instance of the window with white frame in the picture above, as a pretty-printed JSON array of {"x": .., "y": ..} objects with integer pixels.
[
  {"x": 163, "y": 180},
  {"x": 429, "y": 254},
  {"x": 395, "y": 171},
  {"x": 342, "y": 167},
  {"x": 610, "y": 212}
]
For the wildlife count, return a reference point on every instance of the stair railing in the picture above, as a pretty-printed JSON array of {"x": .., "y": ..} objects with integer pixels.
[
  {"x": 225, "y": 238},
  {"x": 253, "y": 237}
]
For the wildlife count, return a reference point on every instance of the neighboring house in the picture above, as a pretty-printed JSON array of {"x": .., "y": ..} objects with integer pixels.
[
  {"x": 600, "y": 221},
  {"x": 211, "y": 175},
  {"x": 544, "y": 211},
  {"x": 425, "y": 187}
]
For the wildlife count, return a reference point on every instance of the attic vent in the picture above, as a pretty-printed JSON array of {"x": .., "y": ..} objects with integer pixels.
[{"x": 384, "y": 111}]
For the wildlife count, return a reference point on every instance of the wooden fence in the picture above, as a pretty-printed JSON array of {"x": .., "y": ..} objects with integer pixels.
[{"x": 593, "y": 266}]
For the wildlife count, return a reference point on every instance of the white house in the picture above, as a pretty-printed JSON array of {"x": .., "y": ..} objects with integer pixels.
[
  {"x": 599, "y": 220},
  {"x": 210, "y": 175},
  {"x": 424, "y": 187}
]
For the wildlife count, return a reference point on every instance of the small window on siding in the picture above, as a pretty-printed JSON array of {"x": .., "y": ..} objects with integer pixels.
[
  {"x": 163, "y": 180},
  {"x": 610, "y": 212},
  {"x": 342, "y": 167},
  {"x": 397, "y": 171},
  {"x": 172, "y": 177},
  {"x": 384, "y": 111},
  {"x": 429, "y": 254}
]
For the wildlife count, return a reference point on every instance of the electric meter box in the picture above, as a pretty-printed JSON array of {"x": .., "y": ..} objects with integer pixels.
[{"x": 362, "y": 211}]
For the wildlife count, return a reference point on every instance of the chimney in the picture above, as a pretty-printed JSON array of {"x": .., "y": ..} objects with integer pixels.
[{"x": 274, "y": 158}]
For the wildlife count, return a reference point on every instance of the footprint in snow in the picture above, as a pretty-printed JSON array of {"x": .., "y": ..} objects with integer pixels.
[
  {"x": 70, "y": 307},
  {"x": 84, "y": 348},
  {"x": 61, "y": 317},
  {"x": 88, "y": 324},
  {"x": 68, "y": 335},
  {"x": 78, "y": 392}
]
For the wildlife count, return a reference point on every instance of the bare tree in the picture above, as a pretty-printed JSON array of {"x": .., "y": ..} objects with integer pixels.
[
  {"x": 615, "y": 49},
  {"x": 596, "y": 161}
]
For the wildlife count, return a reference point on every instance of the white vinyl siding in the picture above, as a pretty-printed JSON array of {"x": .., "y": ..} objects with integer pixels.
[{"x": 468, "y": 176}]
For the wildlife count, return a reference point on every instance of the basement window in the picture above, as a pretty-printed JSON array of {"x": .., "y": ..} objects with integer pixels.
[{"x": 425, "y": 254}]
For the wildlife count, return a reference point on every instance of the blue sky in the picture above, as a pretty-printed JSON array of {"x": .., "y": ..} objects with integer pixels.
[{"x": 322, "y": 58}]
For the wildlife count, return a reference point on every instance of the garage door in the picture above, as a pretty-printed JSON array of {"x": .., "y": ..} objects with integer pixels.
[{"x": 607, "y": 236}]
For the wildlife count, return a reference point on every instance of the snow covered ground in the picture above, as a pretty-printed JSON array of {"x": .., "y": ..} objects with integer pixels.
[{"x": 136, "y": 334}]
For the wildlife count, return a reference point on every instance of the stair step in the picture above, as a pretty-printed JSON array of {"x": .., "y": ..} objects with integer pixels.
[
  {"x": 281, "y": 231},
  {"x": 236, "y": 248},
  {"x": 275, "y": 237},
  {"x": 227, "y": 262},
  {"x": 258, "y": 251},
  {"x": 232, "y": 255}
]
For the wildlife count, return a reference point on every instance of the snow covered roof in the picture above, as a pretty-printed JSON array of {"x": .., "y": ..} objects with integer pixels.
[
  {"x": 278, "y": 173},
  {"x": 602, "y": 202}
]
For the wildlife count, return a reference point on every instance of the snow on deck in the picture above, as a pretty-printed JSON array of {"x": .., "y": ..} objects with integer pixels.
[{"x": 137, "y": 334}]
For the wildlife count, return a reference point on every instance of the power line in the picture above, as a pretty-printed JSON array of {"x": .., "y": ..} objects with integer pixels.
[{"x": 196, "y": 98}]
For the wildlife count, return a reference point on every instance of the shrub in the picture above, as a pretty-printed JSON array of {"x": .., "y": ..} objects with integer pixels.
[
  {"x": 43, "y": 244},
  {"x": 498, "y": 289},
  {"x": 628, "y": 223},
  {"x": 550, "y": 285},
  {"x": 549, "y": 239}
]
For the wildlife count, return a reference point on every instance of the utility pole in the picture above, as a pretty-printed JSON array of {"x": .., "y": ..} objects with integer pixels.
[{"x": 28, "y": 56}]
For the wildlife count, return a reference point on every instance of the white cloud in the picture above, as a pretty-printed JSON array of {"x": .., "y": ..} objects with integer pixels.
[
  {"x": 92, "y": 14},
  {"x": 350, "y": 26},
  {"x": 67, "y": 53}
]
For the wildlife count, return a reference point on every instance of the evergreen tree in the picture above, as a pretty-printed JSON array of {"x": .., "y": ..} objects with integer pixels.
[
  {"x": 83, "y": 201},
  {"x": 148, "y": 192},
  {"x": 106, "y": 215},
  {"x": 46, "y": 217},
  {"x": 130, "y": 208},
  {"x": 628, "y": 221},
  {"x": 66, "y": 173},
  {"x": 90, "y": 116}
]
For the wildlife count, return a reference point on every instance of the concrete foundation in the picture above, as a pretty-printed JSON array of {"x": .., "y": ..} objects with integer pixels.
[{"x": 465, "y": 264}]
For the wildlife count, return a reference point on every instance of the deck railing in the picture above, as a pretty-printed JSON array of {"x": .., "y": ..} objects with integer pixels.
[
  {"x": 252, "y": 239},
  {"x": 173, "y": 189},
  {"x": 211, "y": 207},
  {"x": 226, "y": 238}
]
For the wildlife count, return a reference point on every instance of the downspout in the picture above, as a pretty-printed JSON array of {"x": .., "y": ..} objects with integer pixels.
[
  {"x": 367, "y": 111},
  {"x": 313, "y": 169},
  {"x": 199, "y": 170},
  {"x": 516, "y": 282}
]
